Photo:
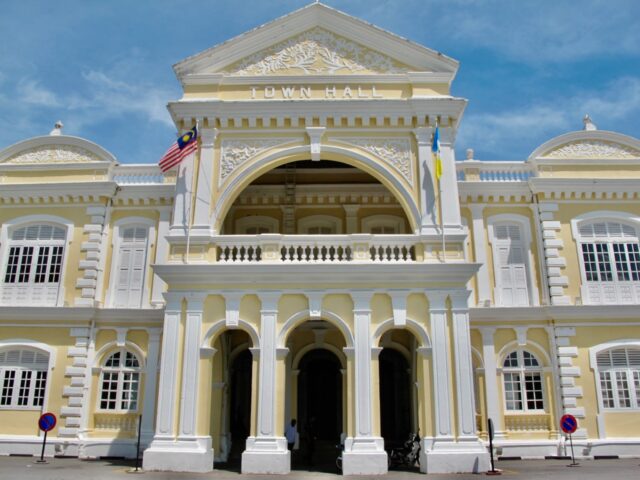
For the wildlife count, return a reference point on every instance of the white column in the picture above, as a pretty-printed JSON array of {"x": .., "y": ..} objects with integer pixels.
[
  {"x": 266, "y": 452},
  {"x": 186, "y": 453},
  {"x": 352, "y": 218},
  {"x": 466, "y": 421},
  {"x": 162, "y": 255},
  {"x": 363, "y": 454},
  {"x": 480, "y": 246},
  {"x": 182, "y": 208},
  {"x": 449, "y": 180},
  {"x": 202, "y": 218},
  {"x": 426, "y": 178},
  {"x": 150, "y": 382},
  {"x": 448, "y": 454},
  {"x": 494, "y": 410},
  {"x": 190, "y": 366},
  {"x": 440, "y": 365}
]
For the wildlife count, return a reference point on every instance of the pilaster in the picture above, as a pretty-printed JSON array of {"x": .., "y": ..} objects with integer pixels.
[
  {"x": 554, "y": 261},
  {"x": 494, "y": 410},
  {"x": 449, "y": 197},
  {"x": 151, "y": 375},
  {"x": 480, "y": 247},
  {"x": 267, "y": 452},
  {"x": 162, "y": 255},
  {"x": 363, "y": 454},
  {"x": 182, "y": 204},
  {"x": 202, "y": 222},
  {"x": 76, "y": 392},
  {"x": 94, "y": 250}
]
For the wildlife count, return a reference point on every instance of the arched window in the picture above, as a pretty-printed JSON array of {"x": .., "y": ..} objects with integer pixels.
[
  {"x": 619, "y": 374},
  {"x": 33, "y": 268},
  {"x": 256, "y": 225},
  {"x": 320, "y": 225},
  {"x": 383, "y": 224},
  {"x": 610, "y": 262},
  {"x": 131, "y": 266},
  {"x": 23, "y": 378},
  {"x": 522, "y": 375},
  {"x": 510, "y": 253},
  {"x": 120, "y": 382}
]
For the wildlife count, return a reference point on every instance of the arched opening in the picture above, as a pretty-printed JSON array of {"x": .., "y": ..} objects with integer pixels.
[
  {"x": 397, "y": 368},
  {"x": 323, "y": 197},
  {"x": 232, "y": 401},
  {"x": 316, "y": 393}
]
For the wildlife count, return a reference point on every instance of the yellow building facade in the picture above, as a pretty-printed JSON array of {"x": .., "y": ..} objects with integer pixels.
[{"x": 308, "y": 264}]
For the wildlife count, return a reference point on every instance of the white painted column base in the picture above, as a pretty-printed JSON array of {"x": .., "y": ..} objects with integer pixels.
[
  {"x": 266, "y": 455},
  {"x": 453, "y": 457},
  {"x": 193, "y": 455},
  {"x": 364, "y": 456}
]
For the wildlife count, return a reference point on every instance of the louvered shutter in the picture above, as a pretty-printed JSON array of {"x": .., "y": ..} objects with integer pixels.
[
  {"x": 132, "y": 261},
  {"x": 511, "y": 270}
]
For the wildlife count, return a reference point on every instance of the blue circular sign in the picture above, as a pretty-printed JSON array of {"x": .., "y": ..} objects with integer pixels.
[
  {"x": 568, "y": 423},
  {"x": 47, "y": 422}
]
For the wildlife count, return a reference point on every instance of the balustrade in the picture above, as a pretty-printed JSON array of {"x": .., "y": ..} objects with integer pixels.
[
  {"x": 527, "y": 422},
  {"x": 476, "y": 171}
]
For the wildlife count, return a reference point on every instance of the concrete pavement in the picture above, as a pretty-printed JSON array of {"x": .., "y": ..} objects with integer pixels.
[{"x": 73, "y": 469}]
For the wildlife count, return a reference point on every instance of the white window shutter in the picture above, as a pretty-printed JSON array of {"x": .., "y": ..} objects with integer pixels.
[
  {"x": 511, "y": 270},
  {"x": 131, "y": 268}
]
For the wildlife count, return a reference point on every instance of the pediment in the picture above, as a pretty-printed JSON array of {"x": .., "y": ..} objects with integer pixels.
[
  {"x": 315, "y": 40},
  {"x": 588, "y": 146},
  {"x": 55, "y": 150},
  {"x": 592, "y": 149},
  {"x": 316, "y": 51}
]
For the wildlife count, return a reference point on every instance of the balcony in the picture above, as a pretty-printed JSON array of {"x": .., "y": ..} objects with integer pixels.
[{"x": 314, "y": 249}]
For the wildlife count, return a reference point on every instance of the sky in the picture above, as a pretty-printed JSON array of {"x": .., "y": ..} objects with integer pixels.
[{"x": 530, "y": 69}]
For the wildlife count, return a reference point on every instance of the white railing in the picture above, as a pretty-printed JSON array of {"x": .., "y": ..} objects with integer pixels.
[
  {"x": 527, "y": 422},
  {"x": 138, "y": 175},
  {"x": 123, "y": 422},
  {"x": 276, "y": 248},
  {"x": 477, "y": 171}
]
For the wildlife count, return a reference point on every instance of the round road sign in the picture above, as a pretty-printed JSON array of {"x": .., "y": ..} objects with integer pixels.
[
  {"x": 47, "y": 422},
  {"x": 568, "y": 423}
]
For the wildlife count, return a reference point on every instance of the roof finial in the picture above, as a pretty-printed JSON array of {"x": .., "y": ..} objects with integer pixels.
[
  {"x": 588, "y": 123},
  {"x": 470, "y": 153},
  {"x": 57, "y": 128}
]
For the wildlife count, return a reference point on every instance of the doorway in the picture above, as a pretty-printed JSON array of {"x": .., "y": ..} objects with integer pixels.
[
  {"x": 395, "y": 397},
  {"x": 240, "y": 404}
]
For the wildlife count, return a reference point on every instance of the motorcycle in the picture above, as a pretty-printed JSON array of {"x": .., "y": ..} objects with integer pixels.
[{"x": 408, "y": 455}]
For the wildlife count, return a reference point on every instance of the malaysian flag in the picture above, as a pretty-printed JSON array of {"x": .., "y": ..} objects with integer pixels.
[{"x": 186, "y": 144}]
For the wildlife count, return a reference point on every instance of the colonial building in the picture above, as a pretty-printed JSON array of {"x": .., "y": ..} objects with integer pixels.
[{"x": 309, "y": 264}]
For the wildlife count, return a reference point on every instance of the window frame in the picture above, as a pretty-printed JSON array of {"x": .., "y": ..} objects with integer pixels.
[
  {"x": 6, "y": 243},
  {"x": 120, "y": 373},
  {"x": 319, "y": 221},
  {"x": 260, "y": 221},
  {"x": 593, "y": 360},
  {"x": 118, "y": 228},
  {"x": 522, "y": 370},
  {"x": 622, "y": 218},
  {"x": 36, "y": 347},
  {"x": 524, "y": 223},
  {"x": 385, "y": 221}
]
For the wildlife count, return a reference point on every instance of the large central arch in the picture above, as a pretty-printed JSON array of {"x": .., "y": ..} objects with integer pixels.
[{"x": 257, "y": 166}]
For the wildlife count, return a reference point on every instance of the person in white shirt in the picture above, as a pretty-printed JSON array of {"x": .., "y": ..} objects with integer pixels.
[{"x": 290, "y": 433}]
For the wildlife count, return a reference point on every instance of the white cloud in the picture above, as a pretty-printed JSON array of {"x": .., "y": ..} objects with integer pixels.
[
  {"x": 505, "y": 132},
  {"x": 31, "y": 92}
]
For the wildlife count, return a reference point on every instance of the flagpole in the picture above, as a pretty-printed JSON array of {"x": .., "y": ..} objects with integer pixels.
[{"x": 190, "y": 196}]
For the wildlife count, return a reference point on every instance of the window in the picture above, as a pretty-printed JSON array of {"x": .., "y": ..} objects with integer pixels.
[
  {"x": 383, "y": 224},
  {"x": 256, "y": 225},
  {"x": 610, "y": 260},
  {"x": 120, "y": 382},
  {"x": 522, "y": 377},
  {"x": 23, "y": 378},
  {"x": 509, "y": 254},
  {"x": 619, "y": 376},
  {"x": 132, "y": 265},
  {"x": 320, "y": 225},
  {"x": 34, "y": 265}
]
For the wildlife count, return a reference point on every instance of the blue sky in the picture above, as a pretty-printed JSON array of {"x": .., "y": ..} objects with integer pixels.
[{"x": 530, "y": 68}]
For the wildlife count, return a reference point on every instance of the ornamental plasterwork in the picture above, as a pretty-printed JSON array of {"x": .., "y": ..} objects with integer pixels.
[
  {"x": 394, "y": 151},
  {"x": 236, "y": 152},
  {"x": 53, "y": 154},
  {"x": 316, "y": 51},
  {"x": 593, "y": 149}
]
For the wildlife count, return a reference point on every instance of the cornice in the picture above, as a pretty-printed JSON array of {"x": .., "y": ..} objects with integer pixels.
[
  {"x": 62, "y": 192},
  {"x": 549, "y": 313},
  {"x": 81, "y": 314},
  {"x": 329, "y": 276}
]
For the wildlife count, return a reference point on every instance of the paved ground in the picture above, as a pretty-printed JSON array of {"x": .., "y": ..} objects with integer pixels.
[{"x": 72, "y": 469}]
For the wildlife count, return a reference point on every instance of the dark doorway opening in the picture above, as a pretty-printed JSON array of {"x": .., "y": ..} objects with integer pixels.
[
  {"x": 319, "y": 410},
  {"x": 240, "y": 405},
  {"x": 395, "y": 398}
]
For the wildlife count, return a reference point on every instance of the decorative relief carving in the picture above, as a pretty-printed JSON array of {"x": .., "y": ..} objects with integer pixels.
[
  {"x": 316, "y": 51},
  {"x": 53, "y": 154},
  {"x": 236, "y": 152},
  {"x": 593, "y": 149},
  {"x": 395, "y": 151}
]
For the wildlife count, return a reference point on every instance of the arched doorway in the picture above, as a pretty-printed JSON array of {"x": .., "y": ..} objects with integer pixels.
[
  {"x": 395, "y": 397},
  {"x": 397, "y": 369},
  {"x": 240, "y": 403}
]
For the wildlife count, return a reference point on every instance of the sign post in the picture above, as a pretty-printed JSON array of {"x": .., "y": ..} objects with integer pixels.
[
  {"x": 569, "y": 424},
  {"x": 493, "y": 470},
  {"x": 46, "y": 423}
]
